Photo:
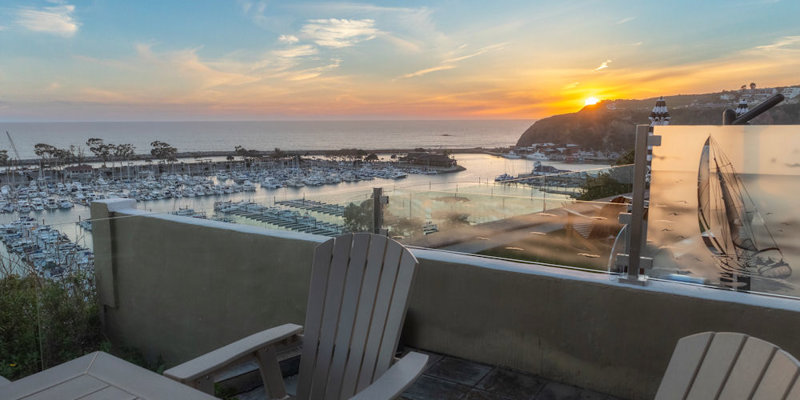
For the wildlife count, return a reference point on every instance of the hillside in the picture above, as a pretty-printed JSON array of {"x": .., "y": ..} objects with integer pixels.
[{"x": 609, "y": 125}]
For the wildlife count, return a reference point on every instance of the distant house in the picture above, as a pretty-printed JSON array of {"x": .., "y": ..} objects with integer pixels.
[
  {"x": 791, "y": 92},
  {"x": 78, "y": 171},
  {"x": 757, "y": 95}
]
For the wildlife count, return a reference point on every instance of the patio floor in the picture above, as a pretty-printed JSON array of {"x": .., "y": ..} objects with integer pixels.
[{"x": 450, "y": 378}]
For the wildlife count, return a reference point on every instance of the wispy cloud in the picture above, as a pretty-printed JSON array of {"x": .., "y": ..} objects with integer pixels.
[
  {"x": 449, "y": 63},
  {"x": 603, "y": 66},
  {"x": 57, "y": 20},
  {"x": 625, "y": 20},
  {"x": 315, "y": 72},
  {"x": 290, "y": 39},
  {"x": 475, "y": 54},
  {"x": 296, "y": 51},
  {"x": 334, "y": 32},
  {"x": 782, "y": 43},
  {"x": 428, "y": 71}
]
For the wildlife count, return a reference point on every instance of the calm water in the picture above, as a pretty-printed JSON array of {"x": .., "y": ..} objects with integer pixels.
[
  {"x": 480, "y": 169},
  {"x": 266, "y": 135}
]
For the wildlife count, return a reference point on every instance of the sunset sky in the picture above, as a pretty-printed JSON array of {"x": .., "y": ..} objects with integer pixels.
[{"x": 211, "y": 60}]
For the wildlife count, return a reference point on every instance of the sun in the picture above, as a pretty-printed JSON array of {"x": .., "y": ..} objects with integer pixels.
[{"x": 590, "y": 101}]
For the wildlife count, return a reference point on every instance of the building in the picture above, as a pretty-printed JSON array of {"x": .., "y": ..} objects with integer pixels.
[
  {"x": 791, "y": 92},
  {"x": 78, "y": 171}
]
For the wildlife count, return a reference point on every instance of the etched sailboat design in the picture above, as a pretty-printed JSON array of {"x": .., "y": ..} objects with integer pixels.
[{"x": 730, "y": 225}]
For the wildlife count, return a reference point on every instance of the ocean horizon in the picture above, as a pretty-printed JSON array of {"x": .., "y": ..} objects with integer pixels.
[{"x": 191, "y": 136}]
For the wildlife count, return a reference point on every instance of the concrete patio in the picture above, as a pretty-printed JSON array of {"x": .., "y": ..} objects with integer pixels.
[{"x": 452, "y": 378}]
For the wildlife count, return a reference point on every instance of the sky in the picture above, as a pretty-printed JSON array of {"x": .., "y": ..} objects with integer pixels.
[{"x": 93, "y": 60}]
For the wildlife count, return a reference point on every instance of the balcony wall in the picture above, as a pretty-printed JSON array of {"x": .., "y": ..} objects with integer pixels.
[{"x": 177, "y": 287}]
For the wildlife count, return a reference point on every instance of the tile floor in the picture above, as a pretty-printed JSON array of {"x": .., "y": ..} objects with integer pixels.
[{"x": 449, "y": 378}]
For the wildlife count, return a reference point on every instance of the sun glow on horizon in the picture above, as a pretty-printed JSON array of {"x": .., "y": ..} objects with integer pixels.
[{"x": 590, "y": 101}]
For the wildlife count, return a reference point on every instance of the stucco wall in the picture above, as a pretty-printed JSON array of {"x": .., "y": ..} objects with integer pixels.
[{"x": 185, "y": 286}]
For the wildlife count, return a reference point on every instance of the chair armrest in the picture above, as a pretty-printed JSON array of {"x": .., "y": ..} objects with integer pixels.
[
  {"x": 396, "y": 379},
  {"x": 218, "y": 359}
]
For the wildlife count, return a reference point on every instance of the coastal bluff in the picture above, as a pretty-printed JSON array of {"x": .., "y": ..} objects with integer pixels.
[{"x": 609, "y": 125}]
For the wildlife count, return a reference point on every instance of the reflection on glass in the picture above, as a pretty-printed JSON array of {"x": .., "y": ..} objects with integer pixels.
[{"x": 722, "y": 207}]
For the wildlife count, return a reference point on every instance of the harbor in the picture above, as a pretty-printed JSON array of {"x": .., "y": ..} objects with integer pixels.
[{"x": 308, "y": 196}]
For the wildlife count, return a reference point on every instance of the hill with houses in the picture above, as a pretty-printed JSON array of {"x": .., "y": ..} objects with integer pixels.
[{"x": 609, "y": 125}]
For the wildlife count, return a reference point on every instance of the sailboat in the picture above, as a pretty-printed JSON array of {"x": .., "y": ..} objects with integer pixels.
[{"x": 730, "y": 225}]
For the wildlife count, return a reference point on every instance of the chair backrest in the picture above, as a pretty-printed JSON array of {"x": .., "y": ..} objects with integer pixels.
[
  {"x": 356, "y": 306},
  {"x": 729, "y": 365}
]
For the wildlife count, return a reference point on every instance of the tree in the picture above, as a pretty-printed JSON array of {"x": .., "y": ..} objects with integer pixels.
[
  {"x": 99, "y": 149},
  {"x": 603, "y": 185},
  {"x": 626, "y": 158},
  {"x": 3, "y": 157},
  {"x": 358, "y": 217},
  {"x": 78, "y": 153},
  {"x": 163, "y": 151},
  {"x": 247, "y": 155},
  {"x": 371, "y": 157},
  {"x": 278, "y": 153},
  {"x": 45, "y": 152},
  {"x": 124, "y": 152}
]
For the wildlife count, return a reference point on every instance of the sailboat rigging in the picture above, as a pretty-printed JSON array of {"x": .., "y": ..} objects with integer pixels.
[{"x": 730, "y": 225}]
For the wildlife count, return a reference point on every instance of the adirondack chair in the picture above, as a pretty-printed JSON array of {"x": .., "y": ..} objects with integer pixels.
[
  {"x": 729, "y": 365},
  {"x": 357, "y": 303}
]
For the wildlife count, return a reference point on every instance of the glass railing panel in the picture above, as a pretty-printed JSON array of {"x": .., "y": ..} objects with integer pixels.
[{"x": 723, "y": 209}]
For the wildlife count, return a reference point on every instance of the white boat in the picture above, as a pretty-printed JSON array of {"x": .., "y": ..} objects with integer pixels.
[
  {"x": 65, "y": 204},
  {"x": 429, "y": 228},
  {"x": 537, "y": 156}
]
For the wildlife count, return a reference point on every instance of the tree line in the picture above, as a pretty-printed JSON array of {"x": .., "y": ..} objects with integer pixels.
[{"x": 105, "y": 152}]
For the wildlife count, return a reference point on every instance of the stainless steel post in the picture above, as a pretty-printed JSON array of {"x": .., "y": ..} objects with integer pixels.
[{"x": 377, "y": 210}]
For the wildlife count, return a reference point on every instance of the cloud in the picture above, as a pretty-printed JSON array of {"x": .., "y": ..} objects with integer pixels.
[
  {"x": 334, "y": 32},
  {"x": 625, "y": 20},
  {"x": 786, "y": 42},
  {"x": 289, "y": 39},
  {"x": 297, "y": 51},
  {"x": 603, "y": 66},
  {"x": 475, "y": 54},
  {"x": 57, "y": 20},
  {"x": 448, "y": 63},
  {"x": 428, "y": 71},
  {"x": 311, "y": 73}
]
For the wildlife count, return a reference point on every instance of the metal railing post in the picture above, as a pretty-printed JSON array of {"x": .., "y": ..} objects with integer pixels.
[
  {"x": 633, "y": 261},
  {"x": 378, "y": 200}
]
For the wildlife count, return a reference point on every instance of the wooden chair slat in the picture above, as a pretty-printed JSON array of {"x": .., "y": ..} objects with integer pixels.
[
  {"x": 391, "y": 262},
  {"x": 779, "y": 377},
  {"x": 347, "y": 316},
  {"x": 683, "y": 366},
  {"x": 319, "y": 281},
  {"x": 749, "y": 368},
  {"x": 330, "y": 316},
  {"x": 794, "y": 392},
  {"x": 366, "y": 304},
  {"x": 717, "y": 363},
  {"x": 397, "y": 313}
]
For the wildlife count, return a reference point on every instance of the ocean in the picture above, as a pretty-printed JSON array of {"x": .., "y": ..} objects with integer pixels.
[{"x": 267, "y": 135}]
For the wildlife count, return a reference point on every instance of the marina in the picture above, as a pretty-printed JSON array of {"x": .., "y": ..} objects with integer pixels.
[
  {"x": 44, "y": 249},
  {"x": 304, "y": 197}
]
